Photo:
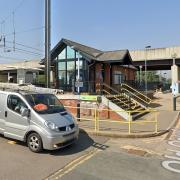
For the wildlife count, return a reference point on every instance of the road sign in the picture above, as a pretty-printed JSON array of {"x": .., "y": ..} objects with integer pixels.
[{"x": 78, "y": 84}]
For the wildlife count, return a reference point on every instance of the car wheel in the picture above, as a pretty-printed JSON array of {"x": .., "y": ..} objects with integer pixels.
[{"x": 34, "y": 142}]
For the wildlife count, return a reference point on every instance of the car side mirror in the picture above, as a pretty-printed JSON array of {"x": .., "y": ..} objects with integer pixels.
[{"x": 25, "y": 112}]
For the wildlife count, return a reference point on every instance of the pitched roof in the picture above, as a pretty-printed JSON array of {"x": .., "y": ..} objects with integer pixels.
[
  {"x": 92, "y": 53},
  {"x": 87, "y": 51},
  {"x": 113, "y": 55},
  {"x": 80, "y": 47}
]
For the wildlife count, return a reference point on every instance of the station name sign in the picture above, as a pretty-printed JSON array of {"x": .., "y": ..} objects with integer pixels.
[{"x": 88, "y": 97}]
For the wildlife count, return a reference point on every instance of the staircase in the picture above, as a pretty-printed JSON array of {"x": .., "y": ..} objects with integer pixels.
[{"x": 126, "y": 99}]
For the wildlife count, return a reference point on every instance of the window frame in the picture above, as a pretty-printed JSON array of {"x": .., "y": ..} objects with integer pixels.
[{"x": 10, "y": 107}]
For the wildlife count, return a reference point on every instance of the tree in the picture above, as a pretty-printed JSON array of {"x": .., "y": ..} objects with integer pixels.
[{"x": 152, "y": 76}]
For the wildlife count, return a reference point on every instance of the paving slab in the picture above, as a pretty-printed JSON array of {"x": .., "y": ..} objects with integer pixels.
[{"x": 166, "y": 117}]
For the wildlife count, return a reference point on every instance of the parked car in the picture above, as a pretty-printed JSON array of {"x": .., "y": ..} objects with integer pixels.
[{"x": 38, "y": 119}]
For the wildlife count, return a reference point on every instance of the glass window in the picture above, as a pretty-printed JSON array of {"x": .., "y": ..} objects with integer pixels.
[
  {"x": 80, "y": 64},
  {"x": 70, "y": 65},
  {"x": 16, "y": 104},
  {"x": 62, "y": 55},
  {"x": 62, "y": 75},
  {"x": 119, "y": 78},
  {"x": 45, "y": 103},
  {"x": 70, "y": 53},
  {"x": 61, "y": 65},
  {"x": 70, "y": 78},
  {"x": 78, "y": 55}
]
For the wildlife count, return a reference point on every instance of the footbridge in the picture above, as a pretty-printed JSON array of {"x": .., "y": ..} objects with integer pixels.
[{"x": 159, "y": 59}]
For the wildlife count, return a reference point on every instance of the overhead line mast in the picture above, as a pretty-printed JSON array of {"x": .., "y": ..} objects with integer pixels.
[{"x": 47, "y": 41}]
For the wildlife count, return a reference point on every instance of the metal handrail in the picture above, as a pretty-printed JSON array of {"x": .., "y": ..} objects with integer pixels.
[
  {"x": 136, "y": 96},
  {"x": 118, "y": 99},
  {"x": 123, "y": 84},
  {"x": 103, "y": 84},
  {"x": 97, "y": 121}
]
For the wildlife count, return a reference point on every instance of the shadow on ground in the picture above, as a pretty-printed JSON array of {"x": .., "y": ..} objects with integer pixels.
[
  {"x": 155, "y": 105},
  {"x": 83, "y": 143}
]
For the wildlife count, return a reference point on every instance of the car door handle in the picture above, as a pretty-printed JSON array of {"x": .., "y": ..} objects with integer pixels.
[{"x": 5, "y": 114}]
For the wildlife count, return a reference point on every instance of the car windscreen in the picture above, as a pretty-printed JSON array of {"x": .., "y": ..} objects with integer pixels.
[{"x": 45, "y": 103}]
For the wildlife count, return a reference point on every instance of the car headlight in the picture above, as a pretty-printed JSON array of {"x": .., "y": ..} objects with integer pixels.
[{"x": 51, "y": 126}]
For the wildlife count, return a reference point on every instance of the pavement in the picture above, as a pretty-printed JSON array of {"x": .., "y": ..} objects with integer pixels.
[{"x": 166, "y": 117}]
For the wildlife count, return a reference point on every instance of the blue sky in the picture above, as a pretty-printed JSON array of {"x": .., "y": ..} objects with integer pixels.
[{"x": 103, "y": 24}]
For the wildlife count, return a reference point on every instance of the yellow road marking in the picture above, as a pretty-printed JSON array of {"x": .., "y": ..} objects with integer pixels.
[
  {"x": 72, "y": 165},
  {"x": 11, "y": 142}
]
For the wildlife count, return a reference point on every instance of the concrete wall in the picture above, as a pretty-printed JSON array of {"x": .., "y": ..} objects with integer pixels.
[
  {"x": 3, "y": 78},
  {"x": 155, "y": 53}
]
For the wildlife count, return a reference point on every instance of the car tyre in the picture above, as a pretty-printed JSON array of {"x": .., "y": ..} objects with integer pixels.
[{"x": 34, "y": 142}]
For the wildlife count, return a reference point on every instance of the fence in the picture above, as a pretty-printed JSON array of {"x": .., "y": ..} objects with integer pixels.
[{"x": 96, "y": 120}]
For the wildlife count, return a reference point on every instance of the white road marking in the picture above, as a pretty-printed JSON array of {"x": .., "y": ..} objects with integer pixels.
[
  {"x": 173, "y": 160},
  {"x": 167, "y": 165}
]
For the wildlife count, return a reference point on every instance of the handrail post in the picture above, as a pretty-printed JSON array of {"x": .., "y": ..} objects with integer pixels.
[
  {"x": 97, "y": 112},
  {"x": 129, "y": 123},
  {"x": 95, "y": 119},
  {"x": 156, "y": 123}
]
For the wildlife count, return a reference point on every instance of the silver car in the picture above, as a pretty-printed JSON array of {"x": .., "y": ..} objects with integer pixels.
[{"x": 38, "y": 119}]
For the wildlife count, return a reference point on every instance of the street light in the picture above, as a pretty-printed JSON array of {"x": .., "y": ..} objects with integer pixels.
[
  {"x": 140, "y": 75},
  {"x": 164, "y": 81},
  {"x": 174, "y": 58},
  {"x": 146, "y": 48}
]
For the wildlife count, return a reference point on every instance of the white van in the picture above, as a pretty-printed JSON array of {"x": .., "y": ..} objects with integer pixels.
[{"x": 38, "y": 119}]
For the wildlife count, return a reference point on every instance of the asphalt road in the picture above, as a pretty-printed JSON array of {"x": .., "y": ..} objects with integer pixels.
[
  {"x": 91, "y": 157},
  {"x": 116, "y": 164},
  {"x": 17, "y": 162}
]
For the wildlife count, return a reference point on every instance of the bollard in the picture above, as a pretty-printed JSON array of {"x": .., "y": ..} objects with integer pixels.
[{"x": 174, "y": 103}]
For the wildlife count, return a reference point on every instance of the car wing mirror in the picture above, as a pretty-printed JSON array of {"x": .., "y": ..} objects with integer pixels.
[{"x": 25, "y": 112}]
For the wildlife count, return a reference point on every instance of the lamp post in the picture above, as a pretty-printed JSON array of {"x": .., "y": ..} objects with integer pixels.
[
  {"x": 146, "y": 48},
  {"x": 47, "y": 41},
  {"x": 174, "y": 58},
  {"x": 140, "y": 75},
  {"x": 164, "y": 81}
]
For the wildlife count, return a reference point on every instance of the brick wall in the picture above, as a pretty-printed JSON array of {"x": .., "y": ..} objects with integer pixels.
[
  {"x": 103, "y": 110},
  {"x": 128, "y": 72},
  {"x": 70, "y": 102}
]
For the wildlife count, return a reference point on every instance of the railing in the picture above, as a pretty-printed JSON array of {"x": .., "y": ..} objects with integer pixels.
[
  {"x": 102, "y": 86},
  {"x": 126, "y": 91},
  {"x": 118, "y": 99},
  {"x": 100, "y": 124},
  {"x": 138, "y": 95}
]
